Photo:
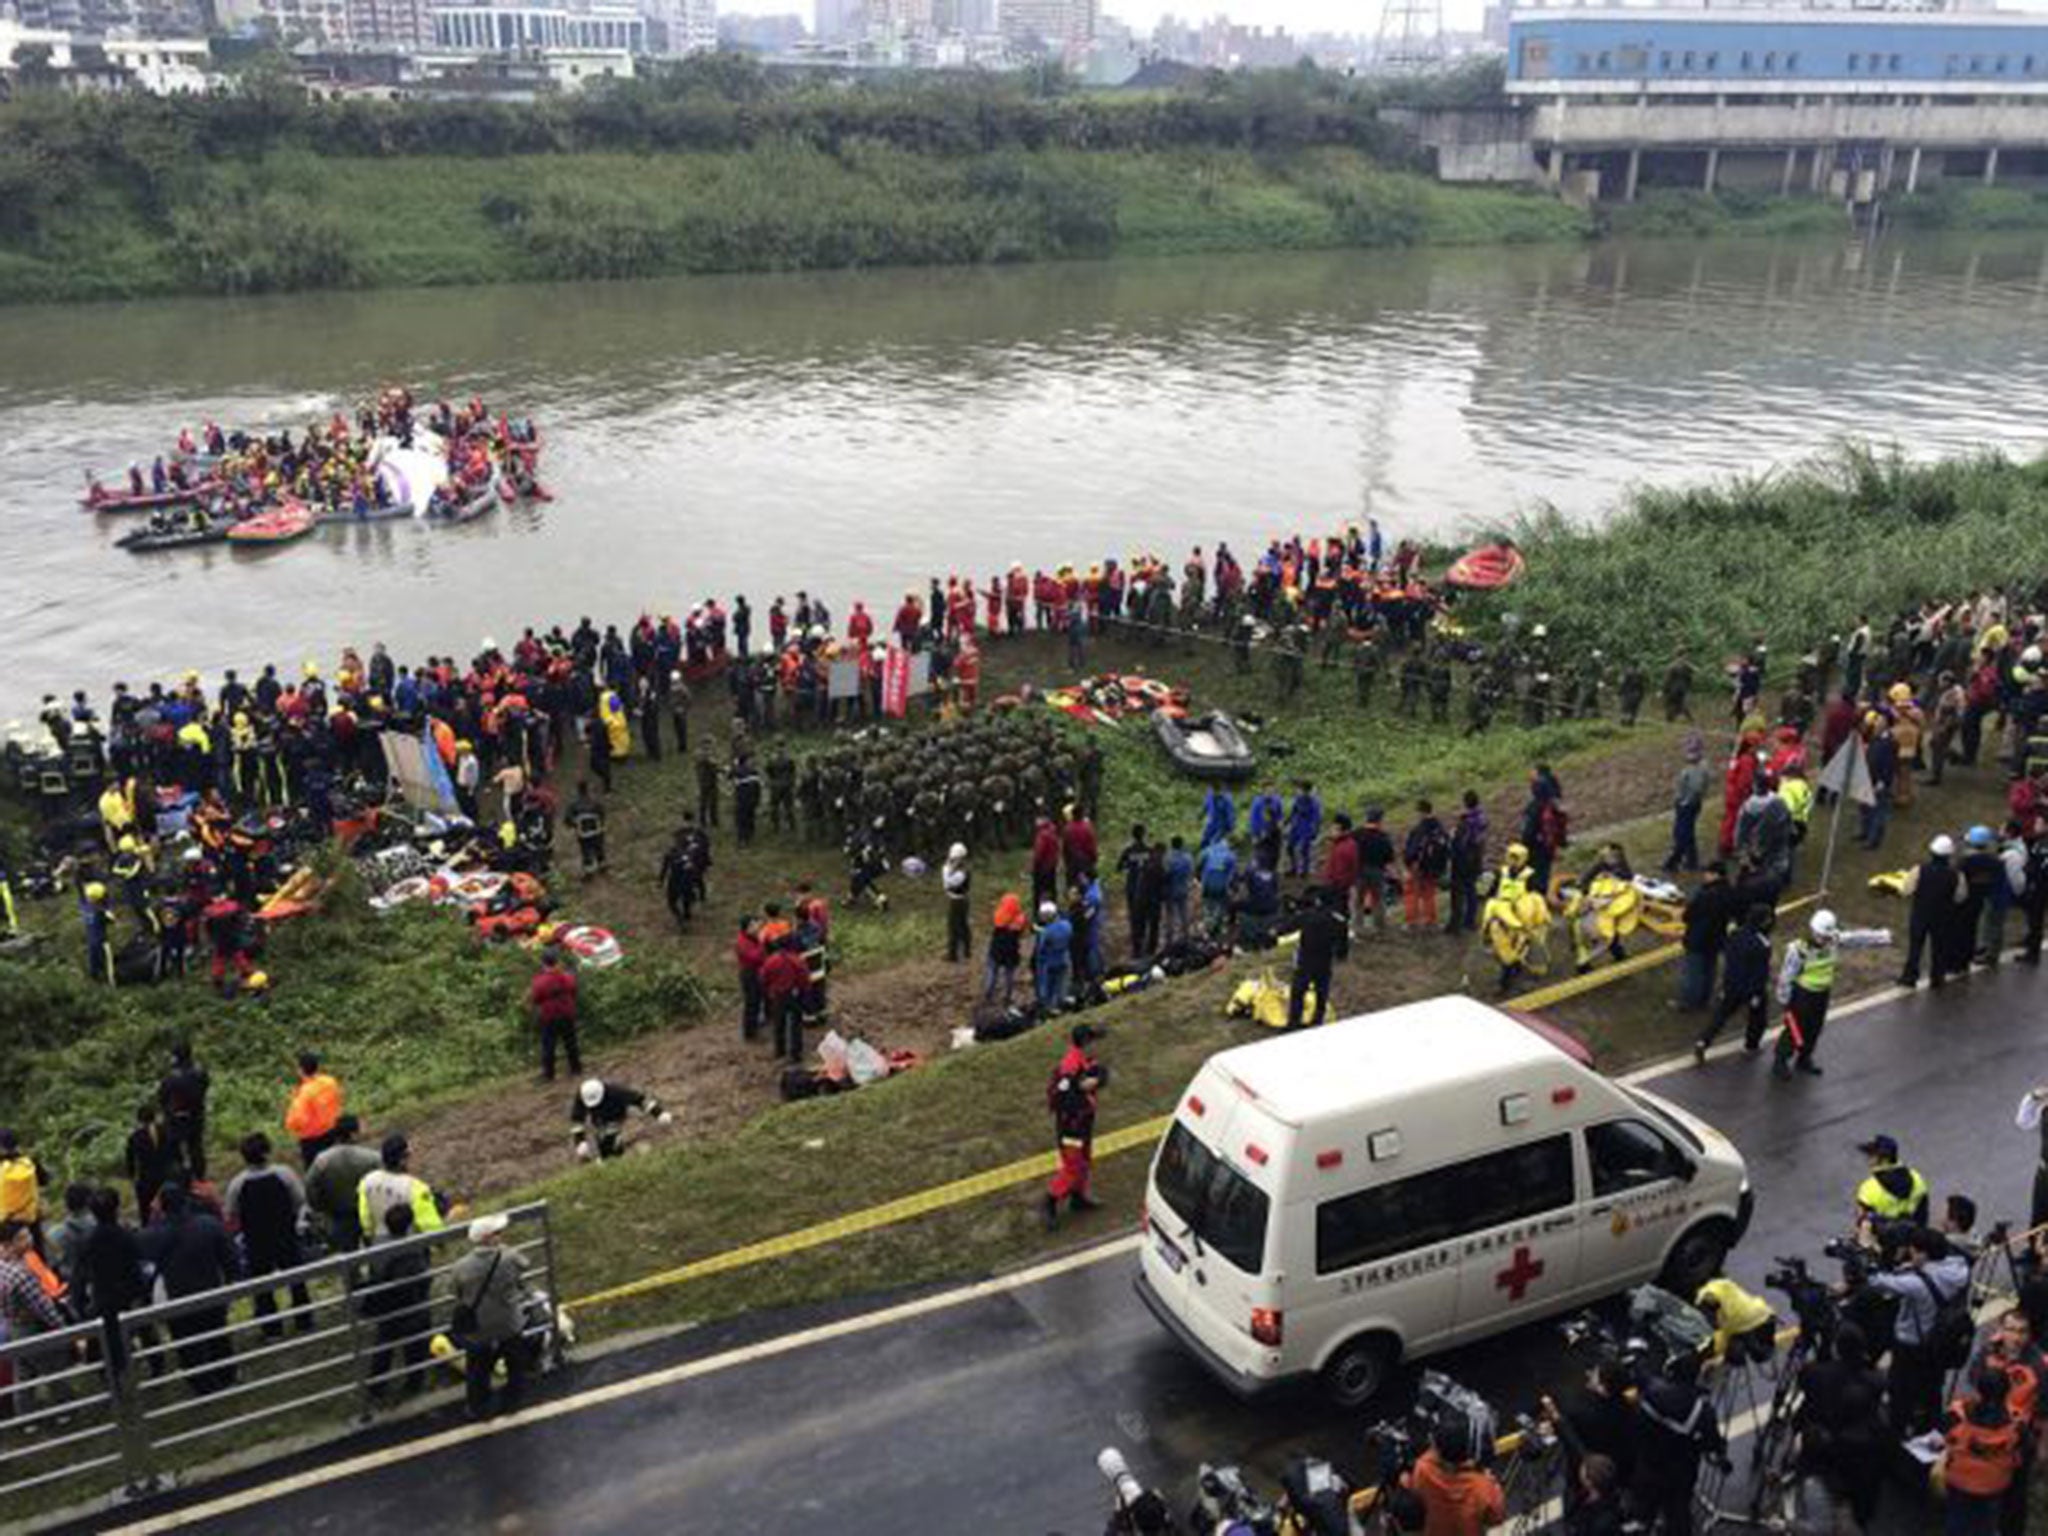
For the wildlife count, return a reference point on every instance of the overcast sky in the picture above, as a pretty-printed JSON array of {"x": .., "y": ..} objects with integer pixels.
[{"x": 1360, "y": 16}]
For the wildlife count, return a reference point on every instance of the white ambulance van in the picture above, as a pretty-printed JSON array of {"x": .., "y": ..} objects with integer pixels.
[{"x": 1334, "y": 1201}]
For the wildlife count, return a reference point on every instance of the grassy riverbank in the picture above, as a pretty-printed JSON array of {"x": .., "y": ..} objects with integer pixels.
[
  {"x": 294, "y": 220},
  {"x": 423, "y": 1023}
]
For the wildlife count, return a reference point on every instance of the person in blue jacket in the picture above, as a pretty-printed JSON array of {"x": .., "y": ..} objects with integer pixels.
[
  {"x": 1219, "y": 815},
  {"x": 1216, "y": 873},
  {"x": 1304, "y": 826},
  {"x": 1265, "y": 817},
  {"x": 1052, "y": 959}
]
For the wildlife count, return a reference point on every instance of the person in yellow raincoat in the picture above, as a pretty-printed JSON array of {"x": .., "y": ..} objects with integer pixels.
[
  {"x": 1602, "y": 909},
  {"x": 1908, "y": 726},
  {"x": 1515, "y": 922},
  {"x": 618, "y": 725}
]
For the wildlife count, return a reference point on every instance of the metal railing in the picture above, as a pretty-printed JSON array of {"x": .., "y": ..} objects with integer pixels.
[{"x": 123, "y": 1401}]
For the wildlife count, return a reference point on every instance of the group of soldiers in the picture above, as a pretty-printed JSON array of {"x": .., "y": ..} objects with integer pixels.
[
  {"x": 980, "y": 780},
  {"x": 1521, "y": 675}
]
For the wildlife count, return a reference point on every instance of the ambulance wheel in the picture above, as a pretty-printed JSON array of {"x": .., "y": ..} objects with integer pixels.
[
  {"x": 1354, "y": 1375},
  {"x": 1695, "y": 1260}
]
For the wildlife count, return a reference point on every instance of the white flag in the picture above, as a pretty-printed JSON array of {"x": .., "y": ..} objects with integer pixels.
[{"x": 1847, "y": 774}]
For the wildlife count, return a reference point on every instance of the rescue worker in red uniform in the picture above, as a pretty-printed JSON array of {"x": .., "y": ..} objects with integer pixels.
[{"x": 1070, "y": 1095}]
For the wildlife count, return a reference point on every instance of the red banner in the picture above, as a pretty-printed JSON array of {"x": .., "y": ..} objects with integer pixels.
[{"x": 896, "y": 683}]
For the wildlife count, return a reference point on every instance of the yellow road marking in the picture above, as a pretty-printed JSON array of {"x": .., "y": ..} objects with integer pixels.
[{"x": 1026, "y": 1170}]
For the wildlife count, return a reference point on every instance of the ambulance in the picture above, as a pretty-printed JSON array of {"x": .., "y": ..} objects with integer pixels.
[{"x": 1330, "y": 1203}]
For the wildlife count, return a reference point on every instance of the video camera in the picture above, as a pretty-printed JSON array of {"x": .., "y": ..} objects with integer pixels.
[
  {"x": 1444, "y": 1407},
  {"x": 1660, "y": 1327},
  {"x": 1813, "y": 1302},
  {"x": 1139, "y": 1511},
  {"x": 1224, "y": 1501}
]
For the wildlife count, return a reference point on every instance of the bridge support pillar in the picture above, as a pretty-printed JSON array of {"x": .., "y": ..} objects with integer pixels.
[
  {"x": 1713, "y": 167},
  {"x": 1635, "y": 174},
  {"x": 1991, "y": 166},
  {"x": 1913, "y": 171},
  {"x": 1791, "y": 170},
  {"x": 1885, "y": 159},
  {"x": 1555, "y": 170}
]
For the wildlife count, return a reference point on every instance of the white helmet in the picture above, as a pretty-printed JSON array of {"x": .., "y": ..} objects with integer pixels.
[
  {"x": 1825, "y": 926},
  {"x": 2031, "y": 656},
  {"x": 1047, "y": 911},
  {"x": 592, "y": 1092},
  {"x": 1943, "y": 846},
  {"x": 957, "y": 852}
]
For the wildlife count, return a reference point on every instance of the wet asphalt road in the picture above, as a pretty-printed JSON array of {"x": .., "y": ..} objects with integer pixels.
[{"x": 987, "y": 1416}]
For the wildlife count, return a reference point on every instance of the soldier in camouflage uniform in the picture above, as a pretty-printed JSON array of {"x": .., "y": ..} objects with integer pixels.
[
  {"x": 781, "y": 776},
  {"x": 1414, "y": 673},
  {"x": 1634, "y": 684},
  {"x": 1365, "y": 669},
  {"x": 1677, "y": 689},
  {"x": 1440, "y": 687}
]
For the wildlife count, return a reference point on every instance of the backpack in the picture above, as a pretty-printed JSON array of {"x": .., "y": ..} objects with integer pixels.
[
  {"x": 1433, "y": 850},
  {"x": 1554, "y": 825},
  {"x": 1954, "y": 1329}
]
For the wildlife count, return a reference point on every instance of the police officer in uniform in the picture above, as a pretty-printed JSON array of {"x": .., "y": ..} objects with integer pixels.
[{"x": 1892, "y": 1191}]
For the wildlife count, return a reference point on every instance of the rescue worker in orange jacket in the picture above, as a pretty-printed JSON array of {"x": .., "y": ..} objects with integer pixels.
[
  {"x": 1071, "y": 1095},
  {"x": 314, "y": 1110}
]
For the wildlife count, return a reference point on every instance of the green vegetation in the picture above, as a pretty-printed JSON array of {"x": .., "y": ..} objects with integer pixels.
[
  {"x": 1772, "y": 555},
  {"x": 409, "y": 1009},
  {"x": 1668, "y": 213},
  {"x": 711, "y": 167},
  {"x": 1967, "y": 205}
]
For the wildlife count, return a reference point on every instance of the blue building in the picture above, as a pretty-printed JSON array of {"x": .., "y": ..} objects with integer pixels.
[
  {"x": 1848, "y": 103},
  {"x": 1777, "y": 52}
]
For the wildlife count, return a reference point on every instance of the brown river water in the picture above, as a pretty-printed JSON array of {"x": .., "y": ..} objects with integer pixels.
[{"x": 856, "y": 433}]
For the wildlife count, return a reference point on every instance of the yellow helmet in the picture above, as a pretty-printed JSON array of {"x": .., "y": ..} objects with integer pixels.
[
  {"x": 128, "y": 843},
  {"x": 312, "y": 669},
  {"x": 94, "y": 891},
  {"x": 1900, "y": 693},
  {"x": 1518, "y": 855},
  {"x": 256, "y": 981}
]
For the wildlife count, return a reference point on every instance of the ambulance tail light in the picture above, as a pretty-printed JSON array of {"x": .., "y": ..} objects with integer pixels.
[{"x": 1266, "y": 1328}]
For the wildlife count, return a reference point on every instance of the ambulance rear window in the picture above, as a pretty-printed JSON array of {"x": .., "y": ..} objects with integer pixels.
[{"x": 1221, "y": 1207}]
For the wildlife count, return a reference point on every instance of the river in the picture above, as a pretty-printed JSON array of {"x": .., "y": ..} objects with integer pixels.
[{"x": 855, "y": 433}]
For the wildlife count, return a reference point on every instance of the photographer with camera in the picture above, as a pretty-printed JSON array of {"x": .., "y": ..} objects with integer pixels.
[
  {"x": 1840, "y": 1426},
  {"x": 1931, "y": 1329},
  {"x": 1459, "y": 1496},
  {"x": 1679, "y": 1430},
  {"x": 1596, "y": 1422}
]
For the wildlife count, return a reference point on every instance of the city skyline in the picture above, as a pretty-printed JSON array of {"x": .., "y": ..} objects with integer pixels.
[{"x": 1301, "y": 17}]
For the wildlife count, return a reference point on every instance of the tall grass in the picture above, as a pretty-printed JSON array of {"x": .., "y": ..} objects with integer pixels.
[{"x": 1785, "y": 555}]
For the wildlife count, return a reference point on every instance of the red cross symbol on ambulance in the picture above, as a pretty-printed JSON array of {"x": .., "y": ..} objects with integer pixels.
[{"x": 1520, "y": 1275}]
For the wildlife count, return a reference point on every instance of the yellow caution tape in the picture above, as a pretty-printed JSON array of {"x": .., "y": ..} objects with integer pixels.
[
  {"x": 1026, "y": 1170},
  {"x": 924, "y": 1202}
]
